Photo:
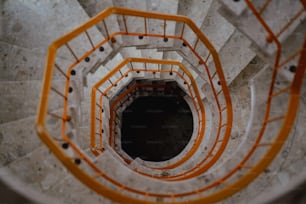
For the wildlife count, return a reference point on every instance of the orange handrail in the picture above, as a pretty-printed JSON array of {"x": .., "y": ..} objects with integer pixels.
[
  {"x": 184, "y": 158},
  {"x": 155, "y": 61},
  {"x": 230, "y": 187},
  {"x": 212, "y": 53},
  {"x": 78, "y": 60}
]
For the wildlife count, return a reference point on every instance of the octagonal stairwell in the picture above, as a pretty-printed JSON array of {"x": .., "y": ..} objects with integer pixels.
[{"x": 233, "y": 71}]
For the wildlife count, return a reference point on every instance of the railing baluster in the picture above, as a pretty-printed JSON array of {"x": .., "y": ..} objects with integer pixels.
[
  {"x": 196, "y": 43},
  {"x": 99, "y": 105},
  {"x": 105, "y": 28},
  {"x": 214, "y": 74},
  {"x": 290, "y": 22},
  {"x": 207, "y": 58},
  {"x": 58, "y": 92},
  {"x": 292, "y": 56},
  {"x": 219, "y": 92},
  {"x": 121, "y": 73},
  {"x": 246, "y": 167},
  {"x": 183, "y": 29},
  {"x": 145, "y": 25},
  {"x": 68, "y": 117},
  {"x": 275, "y": 119},
  {"x": 74, "y": 55},
  {"x": 89, "y": 38},
  {"x": 100, "y": 91},
  {"x": 264, "y": 144},
  {"x": 61, "y": 71},
  {"x": 100, "y": 138},
  {"x": 125, "y": 25},
  {"x": 111, "y": 82},
  {"x": 264, "y": 6},
  {"x": 281, "y": 91},
  {"x": 165, "y": 27}
]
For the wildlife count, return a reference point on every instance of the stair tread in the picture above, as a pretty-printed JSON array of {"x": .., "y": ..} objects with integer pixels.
[
  {"x": 17, "y": 139},
  {"x": 20, "y": 98}
]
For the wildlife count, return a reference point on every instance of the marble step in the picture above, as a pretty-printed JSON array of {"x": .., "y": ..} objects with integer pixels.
[
  {"x": 17, "y": 139},
  {"x": 247, "y": 23},
  {"x": 20, "y": 98},
  {"x": 197, "y": 11}
]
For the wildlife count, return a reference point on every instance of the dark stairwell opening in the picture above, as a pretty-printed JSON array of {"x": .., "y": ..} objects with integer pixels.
[{"x": 157, "y": 126}]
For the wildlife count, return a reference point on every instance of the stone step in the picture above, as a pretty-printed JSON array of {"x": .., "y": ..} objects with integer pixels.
[
  {"x": 21, "y": 64},
  {"x": 55, "y": 19},
  {"x": 289, "y": 162},
  {"x": 197, "y": 11},
  {"x": 242, "y": 100},
  {"x": 247, "y": 23},
  {"x": 292, "y": 44},
  {"x": 235, "y": 7},
  {"x": 136, "y": 24},
  {"x": 124, "y": 175},
  {"x": 82, "y": 193},
  {"x": 169, "y": 55},
  {"x": 93, "y": 7},
  {"x": 39, "y": 168},
  {"x": 156, "y": 26},
  {"x": 128, "y": 52},
  {"x": 211, "y": 28},
  {"x": 15, "y": 191},
  {"x": 152, "y": 54},
  {"x": 234, "y": 58},
  {"x": 120, "y": 172},
  {"x": 43, "y": 172},
  {"x": 216, "y": 28},
  {"x": 20, "y": 98},
  {"x": 17, "y": 139}
]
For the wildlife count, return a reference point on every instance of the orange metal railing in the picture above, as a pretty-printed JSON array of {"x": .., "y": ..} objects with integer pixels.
[
  {"x": 64, "y": 41},
  {"x": 211, "y": 77},
  {"x": 190, "y": 83},
  {"x": 225, "y": 185}
]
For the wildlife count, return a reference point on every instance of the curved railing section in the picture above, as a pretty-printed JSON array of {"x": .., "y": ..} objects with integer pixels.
[
  {"x": 217, "y": 74},
  {"x": 97, "y": 100},
  {"x": 239, "y": 173}
]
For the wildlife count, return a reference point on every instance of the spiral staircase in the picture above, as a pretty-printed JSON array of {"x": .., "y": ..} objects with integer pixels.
[{"x": 70, "y": 69}]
